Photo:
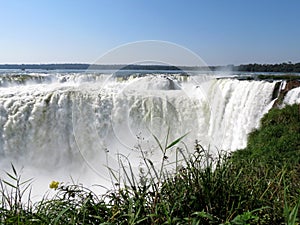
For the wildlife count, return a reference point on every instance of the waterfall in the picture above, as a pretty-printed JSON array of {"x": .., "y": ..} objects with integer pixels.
[{"x": 71, "y": 122}]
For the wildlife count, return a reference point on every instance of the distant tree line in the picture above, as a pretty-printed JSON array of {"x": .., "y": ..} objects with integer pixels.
[
  {"x": 282, "y": 67},
  {"x": 63, "y": 66},
  {"x": 77, "y": 66}
]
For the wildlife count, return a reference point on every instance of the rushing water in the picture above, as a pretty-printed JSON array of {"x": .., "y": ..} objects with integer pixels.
[{"x": 57, "y": 125}]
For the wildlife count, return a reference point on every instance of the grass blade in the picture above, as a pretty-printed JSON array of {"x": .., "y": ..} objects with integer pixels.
[{"x": 176, "y": 141}]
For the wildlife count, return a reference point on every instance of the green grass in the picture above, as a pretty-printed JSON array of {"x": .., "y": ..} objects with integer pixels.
[{"x": 256, "y": 185}]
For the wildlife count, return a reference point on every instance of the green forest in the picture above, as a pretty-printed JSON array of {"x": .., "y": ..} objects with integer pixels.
[{"x": 282, "y": 67}]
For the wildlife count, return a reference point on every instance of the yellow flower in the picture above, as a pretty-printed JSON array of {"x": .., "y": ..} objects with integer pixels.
[{"x": 54, "y": 184}]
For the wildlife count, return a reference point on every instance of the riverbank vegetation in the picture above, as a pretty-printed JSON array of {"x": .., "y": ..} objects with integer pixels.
[
  {"x": 288, "y": 77},
  {"x": 280, "y": 67},
  {"x": 257, "y": 185}
]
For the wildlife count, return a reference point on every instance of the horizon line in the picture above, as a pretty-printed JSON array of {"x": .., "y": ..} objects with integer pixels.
[{"x": 120, "y": 64}]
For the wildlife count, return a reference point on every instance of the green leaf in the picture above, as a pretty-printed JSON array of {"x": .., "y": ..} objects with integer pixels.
[
  {"x": 159, "y": 144},
  {"x": 9, "y": 184},
  {"x": 176, "y": 141},
  {"x": 152, "y": 166},
  {"x": 203, "y": 214},
  {"x": 167, "y": 138},
  {"x": 26, "y": 181},
  {"x": 60, "y": 214},
  {"x": 11, "y": 176},
  {"x": 14, "y": 170},
  {"x": 292, "y": 217}
]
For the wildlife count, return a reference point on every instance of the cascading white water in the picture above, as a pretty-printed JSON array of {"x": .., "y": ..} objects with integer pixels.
[
  {"x": 75, "y": 123},
  {"x": 293, "y": 96}
]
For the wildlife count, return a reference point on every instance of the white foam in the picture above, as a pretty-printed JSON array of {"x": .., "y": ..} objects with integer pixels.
[{"x": 292, "y": 97}]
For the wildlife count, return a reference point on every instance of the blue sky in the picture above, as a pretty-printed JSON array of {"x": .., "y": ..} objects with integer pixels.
[{"x": 220, "y": 32}]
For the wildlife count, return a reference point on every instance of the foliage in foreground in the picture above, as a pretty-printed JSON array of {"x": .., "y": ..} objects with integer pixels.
[{"x": 258, "y": 185}]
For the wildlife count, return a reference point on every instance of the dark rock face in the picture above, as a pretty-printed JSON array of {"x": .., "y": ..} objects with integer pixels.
[
  {"x": 281, "y": 93},
  {"x": 276, "y": 90}
]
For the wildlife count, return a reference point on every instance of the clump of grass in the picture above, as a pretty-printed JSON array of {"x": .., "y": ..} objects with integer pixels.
[
  {"x": 13, "y": 206},
  {"x": 72, "y": 204}
]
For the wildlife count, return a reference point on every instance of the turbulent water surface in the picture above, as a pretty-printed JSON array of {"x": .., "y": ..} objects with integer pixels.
[{"x": 63, "y": 124}]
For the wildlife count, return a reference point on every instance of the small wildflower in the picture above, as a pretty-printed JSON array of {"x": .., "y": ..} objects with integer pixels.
[{"x": 54, "y": 184}]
